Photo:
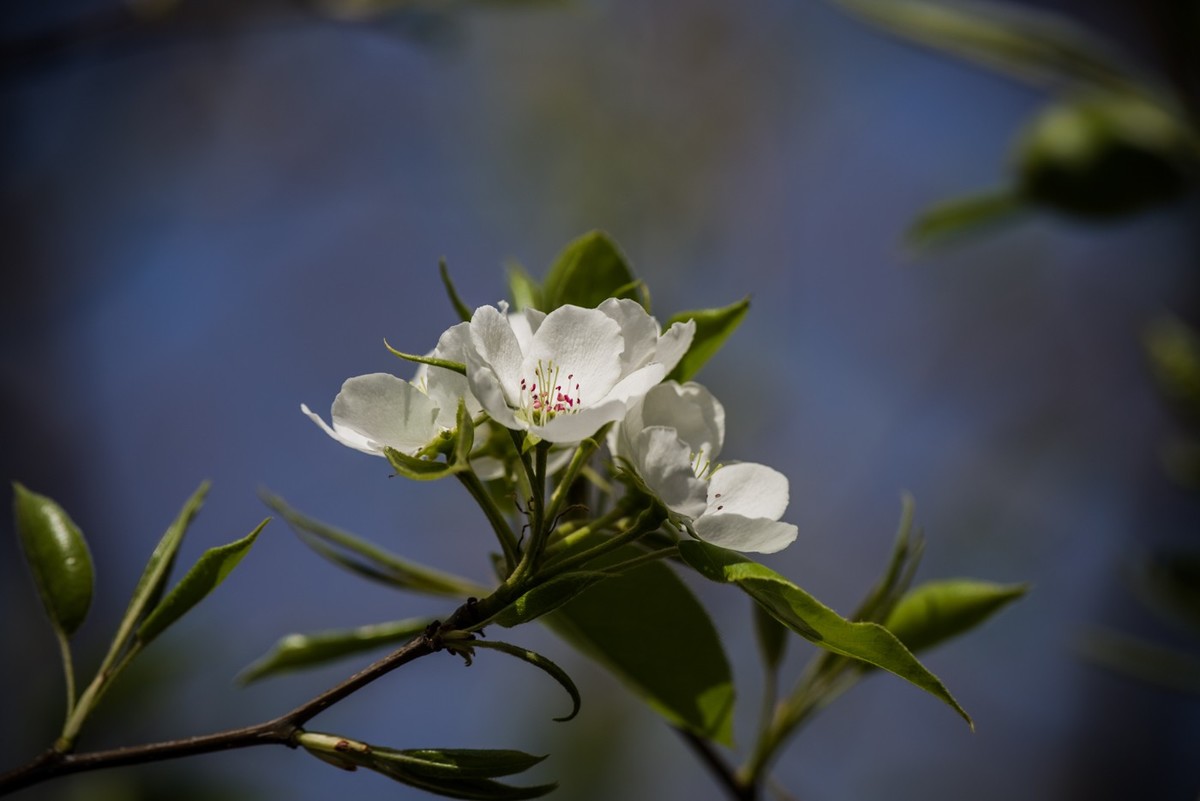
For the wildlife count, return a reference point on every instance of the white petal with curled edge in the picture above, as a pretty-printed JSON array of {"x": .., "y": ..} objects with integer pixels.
[
  {"x": 673, "y": 344},
  {"x": 487, "y": 389},
  {"x": 446, "y": 387},
  {"x": 697, "y": 416},
  {"x": 739, "y": 533},
  {"x": 749, "y": 489},
  {"x": 385, "y": 410},
  {"x": 663, "y": 461},
  {"x": 638, "y": 330},
  {"x": 524, "y": 323},
  {"x": 633, "y": 386},
  {"x": 351, "y": 439},
  {"x": 584, "y": 344},
  {"x": 496, "y": 345}
]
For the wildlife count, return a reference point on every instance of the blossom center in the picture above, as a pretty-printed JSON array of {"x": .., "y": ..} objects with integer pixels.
[{"x": 547, "y": 394}]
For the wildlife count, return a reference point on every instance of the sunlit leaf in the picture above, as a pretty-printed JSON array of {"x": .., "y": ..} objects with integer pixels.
[
  {"x": 589, "y": 271},
  {"x": 300, "y": 651},
  {"x": 538, "y": 661},
  {"x": 713, "y": 327},
  {"x": 205, "y": 576},
  {"x": 523, "y": 290},
  {"x": 648, "y": 629},
  {"x": 803, "y": 614},
  {"x": 939, "y": 610},
  {"x": 417, "y": 469},
  {"x": 547, "y": 597},
  {"x": 58, "y": 558},
  {"x": 365, "y": 558}
]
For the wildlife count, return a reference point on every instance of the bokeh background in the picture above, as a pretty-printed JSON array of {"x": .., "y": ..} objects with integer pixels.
[{"x": 211, "y": 218}]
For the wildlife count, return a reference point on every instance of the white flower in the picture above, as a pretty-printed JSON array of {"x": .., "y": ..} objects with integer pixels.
[
  {"x": 671, "y": 439},
  {"x": 563, "y": 375}
]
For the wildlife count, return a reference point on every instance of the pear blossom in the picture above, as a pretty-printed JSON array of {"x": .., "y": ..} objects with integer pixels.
[
  {"x": 671, "y": 439},
  {"x": 561, "y": 376}
]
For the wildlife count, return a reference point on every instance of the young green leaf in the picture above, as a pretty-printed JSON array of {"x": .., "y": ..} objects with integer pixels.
[
  {"x": 954, "y": 219},
  {"x": 57, "y": 556},
  {"x": 588, "y": 271},
  {"x": 1026, "y": 43},
  {"x": 547, "y": 597},
  {"x": 205, "y": 576},
  {"x": 366, "y": 559},
  {"x": 467, "y": 763},
  {"x": 418, "y": 469},
  {"x": 939, "y": 610},
  {"x": 538, "y": 661},
  {"x": 803, "y": 614},
  {"x": 713, "y": 327},
  {"x": 460, "y": 308},
  {"x": 648, "y": 629},
  {"x": 300, "y": 651},
  {"x": 902, "y": 566},
  {"x": 457, "y": 367},
  {"x": 523, "y": 290}
]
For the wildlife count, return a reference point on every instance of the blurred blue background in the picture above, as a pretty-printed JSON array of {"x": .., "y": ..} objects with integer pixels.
[{"x": 207, "y": 224}]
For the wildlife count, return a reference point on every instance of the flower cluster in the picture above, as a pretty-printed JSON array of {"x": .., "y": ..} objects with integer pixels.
[{"x": 562, "y": 378}]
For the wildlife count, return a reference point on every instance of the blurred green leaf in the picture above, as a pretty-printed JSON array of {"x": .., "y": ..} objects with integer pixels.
[
  {"x": 1143, "y": 660},
  {"x": 1023, "y": 42},
  {"x": 453, "y": 773},
  {"x": 300, "y": 651},
  {"x": 940, "y": 610},
  {"x": 58, "y": 558},
  {"x": 948, "y": 220},
  {"x": 547, "y": 597},
  {"x": 205, "y": 576},
  {"x": 1173, "y": 348},
  {"x": 713, "y": 327},
  {"x": 649, "y": 630},
  {"x": 589, "y": 271},
  {"x": 524, "y": 291},
  {"x": 538, "y": 661},
  {"x": 907, "y": 549},
  {"x": 803, "y": 614},
  {"x": 460, "y": 308},
  {"x": 1170, "y": 583},
  {"x": 367, "y": 559},
  {"x": 771, "y": 636}
]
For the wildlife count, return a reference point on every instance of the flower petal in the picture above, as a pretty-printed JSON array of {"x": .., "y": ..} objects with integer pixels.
[
  {"x": 377, "y": 410},
  {"x": 524, "y": 323},
  {"x": 351, "y": 439},
  {"x": 674, "y": 343},
  {"x": 756, "y": 534},
  {"x": 584, "y": 344},
  {"x": 446, "y": 387},
  {"x": 638, "y": 330},
  {"x": 749, "y": 489},
  {"x": 697, "y": 416},
  {"x": 579, "y": 425},
  {"x": 664, "y": 463},
  {"x": 487, "y": 389},
  {"x": 493, "y": 340}
]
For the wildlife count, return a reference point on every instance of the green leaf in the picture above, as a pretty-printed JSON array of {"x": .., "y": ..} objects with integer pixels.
[
  {"x": 300, "y": 651},
  {"x": 803, "y": 614},
  {"x": 367, "y": 559},
  {"x": 589, "y": 271},
  {"x": 461, "y": 762},
  {"x": 1170, "y": 583},
  {"x": 648, "y": 629},
  {"x": 939, "y": 610},
  {"x": 1026, "y": 43},
  {"x": 524, "y": 291},
  {"x": 418, "y": 469},
  {"x": 460, "y": 308},
  {"x": 958, "y": 217},
  {"x": 1173, "y": 349},
  {"x": 454, "y": 773},
  {"x": 902, "y": 566},
  {"x": 547, "y": 597},
  {"x": 57, "y": 556},
  {"x": 538, "y": 661},
  {"x": 457, "y": 367},
  {"x": 713, "y": 327},
  {"x": 205, "y": 576}
]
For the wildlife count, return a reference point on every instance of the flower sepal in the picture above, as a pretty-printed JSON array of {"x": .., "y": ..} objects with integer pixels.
[{"x": 454, "y": 444}]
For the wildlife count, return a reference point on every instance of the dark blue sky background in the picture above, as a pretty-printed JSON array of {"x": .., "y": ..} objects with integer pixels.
[{"x": 202, "y": 232}]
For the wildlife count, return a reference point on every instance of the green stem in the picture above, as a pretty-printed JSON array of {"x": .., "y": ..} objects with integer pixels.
[
  {"x": 504, "y": 532},
  {"x": 638, "y": 561},
  {"x": 584, "y": 452},
  {"x": 91, "y": 697},
  {"x": 64, "y": 647},
  {"x": 649, "y": 520},
  {"x": 582, "y": 534}
]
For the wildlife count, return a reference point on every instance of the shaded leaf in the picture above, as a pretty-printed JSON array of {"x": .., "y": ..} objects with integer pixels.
[
  {"x": 205, "y": 576},
  {"x": 951, "y": 219},
  {"x": 1026, "y": 43},
  {"x": 1170, "y": 582},
  {"x": 547, "y": 597},
  {"x": 538, "y": 661},
  {"x": 799, "y": 611},
  {"x": 300, "y": 651},
  {"x": 939, "y": 610},
  {"x": 713, "y": 327},
  {"x": 1173, "y": 348},
  {"x": 460, "y": 308},
  {"x": 643, "y": 625},
  {"x": 771, "y": 636},
  {"x": 372, "y": 561},
  {"x": 902, "y": 566},
  {"x": 58, "y": 558},
  {"x": 523, "y": 290},
  {"x": 1141, "y": 659},
  {"x": 588, "y": 271},
  {"x": 461, "y": 762}
]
